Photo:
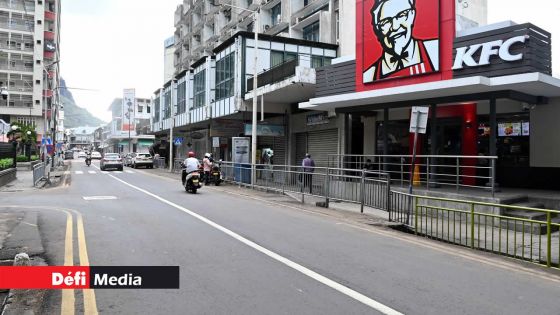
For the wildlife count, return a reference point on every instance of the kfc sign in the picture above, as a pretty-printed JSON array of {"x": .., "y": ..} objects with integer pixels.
[
  {"x": 500, "y": 48},
  {"x": 400, "y": 39}
]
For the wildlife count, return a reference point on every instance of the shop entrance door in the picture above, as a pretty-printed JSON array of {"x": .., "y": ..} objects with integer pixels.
[{"x": 449, "y": 137}]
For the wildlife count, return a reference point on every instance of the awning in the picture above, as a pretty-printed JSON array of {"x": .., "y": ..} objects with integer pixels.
[
  {"x": 123, "y": 142},
  {"x": 532, "y": 88},
  {"x": 145, "y": 142}
]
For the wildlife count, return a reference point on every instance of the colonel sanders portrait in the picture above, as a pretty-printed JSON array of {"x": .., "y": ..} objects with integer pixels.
[{"x": 402, "y": 54}]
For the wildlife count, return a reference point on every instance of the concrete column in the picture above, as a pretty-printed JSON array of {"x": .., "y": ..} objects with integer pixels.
[
  {"x": 493, "y": 128},
  {"x": 434, "y": 144},
  {"x": 370, "y": 135},
  {"x": 385, "y": 136}
]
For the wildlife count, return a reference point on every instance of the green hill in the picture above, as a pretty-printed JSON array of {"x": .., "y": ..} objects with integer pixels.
[{"x": 75, "y": 116}]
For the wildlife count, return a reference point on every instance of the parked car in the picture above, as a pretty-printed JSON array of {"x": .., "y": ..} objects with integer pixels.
[
  {"x": 127, "y": 159},
  {"x": 96, "y": 155},
  {"x": 142, "y": 159},
  {"x": 111, "y": 161},
  {"x": 81, "y": 155}
]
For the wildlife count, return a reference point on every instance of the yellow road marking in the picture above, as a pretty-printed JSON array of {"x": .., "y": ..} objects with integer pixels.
[
  {"x": 68, "y": 299},
  {"x": 90, "y": 306},
  {"x": 67, "y": 306}
]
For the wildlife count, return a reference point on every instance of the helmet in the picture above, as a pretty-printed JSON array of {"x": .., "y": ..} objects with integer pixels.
[
  {"x": 207, "y": 155},
  {"x": 191, "y": 154}
]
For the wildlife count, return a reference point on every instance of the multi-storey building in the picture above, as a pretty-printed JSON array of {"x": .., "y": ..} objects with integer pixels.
[
  {"x": 210, "y": 100},
  {"x": 29, "y": 55},
  {"x": 115, "y": 139}
]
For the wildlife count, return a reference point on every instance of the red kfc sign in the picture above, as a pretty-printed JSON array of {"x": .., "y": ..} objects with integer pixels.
[{"x": 403, "y": 42}]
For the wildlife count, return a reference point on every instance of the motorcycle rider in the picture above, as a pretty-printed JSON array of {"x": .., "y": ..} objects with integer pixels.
[
  {"x": 207, "y": 165},
  {"x": 191, "y": 164},
  {"x": 88, "y": 158}
]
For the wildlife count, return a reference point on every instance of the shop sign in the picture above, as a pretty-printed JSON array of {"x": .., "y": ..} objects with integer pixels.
[
  {"x": 215, "y": 142},
  {"x": 465, "y": 55},
  {"x": 317, "y": 119},
  {"x": 197, "y": 135},
  {"x": 266, "y": 130},
  {"x": 398, "y": 39}
]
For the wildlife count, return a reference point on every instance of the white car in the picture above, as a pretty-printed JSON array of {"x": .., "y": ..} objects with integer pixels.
[
  {"x": 142, "y": 159},
  {"x": 96, "y": 155},
  {"x": 81, "y": 155}
]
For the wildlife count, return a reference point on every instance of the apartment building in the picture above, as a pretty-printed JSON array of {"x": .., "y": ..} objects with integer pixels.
[
  {"x": 29, "y": 71},
  {"x": 210, "y": 99}
]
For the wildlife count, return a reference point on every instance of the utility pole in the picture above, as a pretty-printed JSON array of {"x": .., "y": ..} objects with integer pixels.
[{"x": 171, "y": 142}]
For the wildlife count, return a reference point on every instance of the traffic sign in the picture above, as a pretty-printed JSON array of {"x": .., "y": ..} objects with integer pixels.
[
  {"x": 419, "y": 119},
  {"x": 178, "y": 141}
]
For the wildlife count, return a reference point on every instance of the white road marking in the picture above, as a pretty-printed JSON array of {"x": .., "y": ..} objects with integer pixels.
[
  {"x": 308, "y": 272},
  {"x": 104, "y": 172},
  {"x": 99, "y": 197},
  {"x": 67, "y": 172},
  {"x": 92, "y": 172},
  {"x": 118, "y": 172},
  {"x": 129, "y": 172},
  {"x": 79, "y": 172}
]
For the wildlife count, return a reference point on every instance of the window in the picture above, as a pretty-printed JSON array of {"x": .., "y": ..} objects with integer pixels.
[
  {"x": 167, "y": 104},
  {"x": 276, "y": 13},
  {"x": 250, "y": 27},
  {"x": 225, "y": 72},
  {"x": 337, "y": 31},
  {"x": 28, "y": 121},
  {"x": 148, "y": 109},
  {"x": 140, "y": 109},
  {"x": 320, "y": 61},
  {"x": 311, "y": 32},
  {"x": 181, "y": 98},
  {"x": 280, "y": 57},
  {"x": 156, "y": 114},
  {"x": 199, "y": 89}
]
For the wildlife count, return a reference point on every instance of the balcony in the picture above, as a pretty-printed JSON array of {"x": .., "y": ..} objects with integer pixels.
[
  {"x": 25, "y": 6},
  {"x": 50, "y": 16},
  {"x": 49, "y": 35},
  {"x": 49, "y": 55},
  {"x": 17, "y": 24},
  {"x": 16, "y": 65},
  {"x": 47, "y": 93},
  {"x": 276, "y": 74}
]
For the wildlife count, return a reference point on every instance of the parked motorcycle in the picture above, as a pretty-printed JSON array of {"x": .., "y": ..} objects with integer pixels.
[{"x": 193, "y": 183}]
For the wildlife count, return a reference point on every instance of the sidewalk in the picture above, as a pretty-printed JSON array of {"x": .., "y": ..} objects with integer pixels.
[{"x": 24, "y": 180}]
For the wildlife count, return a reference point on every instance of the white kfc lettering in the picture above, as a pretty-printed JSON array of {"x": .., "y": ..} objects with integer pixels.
[{"x": 464, "y": 57}]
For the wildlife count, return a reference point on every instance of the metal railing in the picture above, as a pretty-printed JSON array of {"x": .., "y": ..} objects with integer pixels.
[
  {"x": 482, "y": 226},
  {"x": 366, "y": 188},
  {"x": 431, "y": 171},
  {"x": 274, "y": 74},
  {"x": 38, "y": 173},
  {"x": 159, "y": 162}
]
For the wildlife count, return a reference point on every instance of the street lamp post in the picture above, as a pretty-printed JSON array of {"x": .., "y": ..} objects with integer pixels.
[
  {"x": 255, "y": 85},
  {"x": 172, "y": 125}
]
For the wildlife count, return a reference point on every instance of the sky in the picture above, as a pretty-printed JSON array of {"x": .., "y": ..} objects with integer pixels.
[{"x": 109, "y": 45}]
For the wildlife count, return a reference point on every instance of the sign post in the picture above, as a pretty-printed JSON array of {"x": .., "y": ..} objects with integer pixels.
[{"x": 418, "y": 124}]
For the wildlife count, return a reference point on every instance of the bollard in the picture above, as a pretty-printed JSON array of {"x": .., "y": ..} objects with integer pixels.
[{"x": 22, "y": 260}]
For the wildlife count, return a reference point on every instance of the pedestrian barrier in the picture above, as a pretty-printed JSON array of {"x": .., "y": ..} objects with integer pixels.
[
  {"x": 478, "y": 225},
  {"x": 38, "y": 173},
  {"x": 348, "y": 185},
  {"x": 159, "y": 162},
  {"x": 482, "y": 226}
]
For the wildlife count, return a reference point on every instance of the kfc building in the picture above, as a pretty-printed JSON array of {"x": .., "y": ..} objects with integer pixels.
[{"x": 489, "y": 90}]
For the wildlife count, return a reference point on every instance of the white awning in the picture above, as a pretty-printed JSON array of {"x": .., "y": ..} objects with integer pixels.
[{"x": 535, "y": 84}]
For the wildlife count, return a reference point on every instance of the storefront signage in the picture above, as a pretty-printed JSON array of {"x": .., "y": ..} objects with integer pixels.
[
  {"x": 465, "y": 55},
  {"x": 266, "y": 130},
  {"x": 317, "y": 119}
]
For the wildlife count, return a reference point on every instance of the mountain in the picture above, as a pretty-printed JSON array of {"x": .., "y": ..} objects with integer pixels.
[{"x": 75, "y": 116}]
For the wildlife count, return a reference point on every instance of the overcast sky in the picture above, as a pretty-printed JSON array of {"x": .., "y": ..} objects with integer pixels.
[{"x": 109, "y": 45}]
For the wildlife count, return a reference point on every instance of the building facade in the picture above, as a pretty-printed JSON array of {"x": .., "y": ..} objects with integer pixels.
[{"x": 29, "y": 71}]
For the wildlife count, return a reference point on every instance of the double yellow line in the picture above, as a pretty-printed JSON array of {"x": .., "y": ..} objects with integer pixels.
[{"x": 68, "y": 299}]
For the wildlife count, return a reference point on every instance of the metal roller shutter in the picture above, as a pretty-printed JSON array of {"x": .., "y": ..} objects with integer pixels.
[
  {"x": 322, "y": 143},
  {"x": 301, "y": 147},
  {"x": 278, "y": 145}
]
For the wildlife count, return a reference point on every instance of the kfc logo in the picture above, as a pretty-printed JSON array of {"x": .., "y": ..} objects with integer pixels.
[{"x": 404, "y": 41}]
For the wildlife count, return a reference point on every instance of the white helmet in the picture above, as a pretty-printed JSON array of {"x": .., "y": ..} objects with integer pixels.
[{"x": 207, "y": 155}]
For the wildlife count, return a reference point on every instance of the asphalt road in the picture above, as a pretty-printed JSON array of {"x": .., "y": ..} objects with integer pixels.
[{"x": 240, "y": 255}]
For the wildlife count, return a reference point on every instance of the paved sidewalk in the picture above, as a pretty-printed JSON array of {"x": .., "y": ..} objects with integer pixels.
[{"x": 24, "y": 180}]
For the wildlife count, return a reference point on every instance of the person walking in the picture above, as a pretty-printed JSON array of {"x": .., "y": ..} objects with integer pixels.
[
  {"x": 207, "y": 166},
  {"x": 308, "y": 166}
]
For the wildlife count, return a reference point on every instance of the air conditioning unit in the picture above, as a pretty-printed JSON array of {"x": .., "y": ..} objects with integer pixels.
[
  {"x": 266, "y": 27},
  {"x": 227, "y": 14},
  {"x": 197, "y": 38}
]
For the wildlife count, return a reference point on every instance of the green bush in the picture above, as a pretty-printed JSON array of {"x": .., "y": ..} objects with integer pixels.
[
  {"x": 6, "y": 163},
  {"x": 22, "y": 158},
  {"x": 34, "y": 157}
]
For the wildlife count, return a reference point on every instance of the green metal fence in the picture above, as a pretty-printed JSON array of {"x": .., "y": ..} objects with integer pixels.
[{"x": 482, "y": 226}]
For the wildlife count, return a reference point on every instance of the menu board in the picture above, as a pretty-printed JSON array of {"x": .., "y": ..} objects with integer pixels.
[
  {"x": 509, "y": 129},
  {"x": 526, "y": 128}
]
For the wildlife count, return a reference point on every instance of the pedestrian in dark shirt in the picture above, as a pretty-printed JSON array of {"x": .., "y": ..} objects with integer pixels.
[{"x": 308, "y": 166}]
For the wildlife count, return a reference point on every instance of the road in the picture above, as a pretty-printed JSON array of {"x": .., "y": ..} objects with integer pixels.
[{"x": 240, "y": 255}]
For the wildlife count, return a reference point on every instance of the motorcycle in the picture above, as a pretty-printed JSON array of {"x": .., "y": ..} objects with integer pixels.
[
  {"x": 193, "y": 183},
  {"x": 88, "y": 162},
  {"x": 215, "y": 175}
]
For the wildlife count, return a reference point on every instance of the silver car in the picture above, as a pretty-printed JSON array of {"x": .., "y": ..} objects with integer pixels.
[{"x": 111, "y": 161}]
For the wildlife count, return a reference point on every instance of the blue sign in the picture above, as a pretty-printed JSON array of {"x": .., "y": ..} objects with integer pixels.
[
  {"x": 46, "y": 141},
  {"x": 266, "y": 130},
  {"x": 178, "y": 141}
]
